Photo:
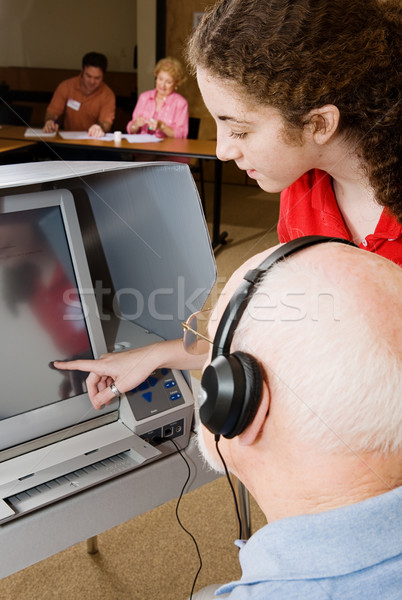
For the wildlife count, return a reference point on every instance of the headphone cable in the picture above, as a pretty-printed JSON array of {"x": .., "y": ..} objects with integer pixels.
[
  {"x": 217, "y": 438},
  {"x": 178, "y": 518}
]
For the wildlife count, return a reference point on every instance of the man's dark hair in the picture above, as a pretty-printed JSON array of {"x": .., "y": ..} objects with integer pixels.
[{"x": 95, "y": 59}]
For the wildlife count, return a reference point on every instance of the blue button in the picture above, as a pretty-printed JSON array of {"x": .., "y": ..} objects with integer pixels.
[
  {"x": 147, "y": 396},
  {"x": 164, "y": 371},
  {"x": 143, "y": 386},
  {"x": 170, "y": 383},
  {"x": 175, "y": 396},
  {"x": 152, "y": 381}
]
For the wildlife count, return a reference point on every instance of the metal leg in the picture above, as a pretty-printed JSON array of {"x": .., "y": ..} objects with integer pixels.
[
  {"x": 92, "y": 545},
  {"x": 218, "y": 237},
  {"x": 201, "y": 171},
  {"x": 243, "y": 501}
]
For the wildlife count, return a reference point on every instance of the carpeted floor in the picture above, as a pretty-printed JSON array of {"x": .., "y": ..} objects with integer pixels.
[{"x": 151, "y": 557}]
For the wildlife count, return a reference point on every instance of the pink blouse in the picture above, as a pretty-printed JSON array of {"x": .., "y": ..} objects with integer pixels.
[{"x": 174, "y": 112}]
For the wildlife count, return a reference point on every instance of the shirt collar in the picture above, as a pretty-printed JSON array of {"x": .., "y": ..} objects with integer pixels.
[
  {"x": 322, "y": 193},
  {"x": 328, "y": 544},
  {"x": 323, "y": 199},
  {"x": 388, "y": 227}
]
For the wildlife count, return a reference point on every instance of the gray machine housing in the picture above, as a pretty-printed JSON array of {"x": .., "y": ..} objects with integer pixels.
[{"x": 151, "y": 264}]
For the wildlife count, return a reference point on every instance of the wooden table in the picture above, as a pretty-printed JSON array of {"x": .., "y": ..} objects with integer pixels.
[
  {"x": 203, "y": 149},
  {"x": 8, "y": 147}
]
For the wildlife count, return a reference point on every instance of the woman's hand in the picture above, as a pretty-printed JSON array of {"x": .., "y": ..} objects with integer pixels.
[
  {"x": 125, "y": 369},
  {"x": 153, "y": 124},
  {"x": 159, "y": 127},
  {"x": 137, "y": 124}
]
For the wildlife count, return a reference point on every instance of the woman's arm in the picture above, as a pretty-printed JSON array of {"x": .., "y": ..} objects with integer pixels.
[
  {"x": 181, "y": 119},
  {"x": 140, "y": 114},
  {"x": 130, "y": 368}
]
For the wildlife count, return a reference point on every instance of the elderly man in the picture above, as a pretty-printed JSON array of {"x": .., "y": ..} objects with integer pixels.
[
  {"x": 84, "y": 102},
  {"x": 303, "y": 399}
]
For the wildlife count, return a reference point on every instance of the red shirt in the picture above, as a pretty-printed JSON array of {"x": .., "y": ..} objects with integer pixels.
[{"x": 309, "y": 207}]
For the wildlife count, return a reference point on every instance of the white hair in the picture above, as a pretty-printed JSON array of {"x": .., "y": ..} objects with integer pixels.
[{"x": 330, "y": 342}]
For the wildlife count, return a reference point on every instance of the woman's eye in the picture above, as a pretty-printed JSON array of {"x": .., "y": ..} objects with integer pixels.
[{"x": 238, "y": 136}]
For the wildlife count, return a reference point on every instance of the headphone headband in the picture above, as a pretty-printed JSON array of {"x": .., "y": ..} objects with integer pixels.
[
  {"x": 238, "y": 303},
  {"x": 231, "y": 386}
]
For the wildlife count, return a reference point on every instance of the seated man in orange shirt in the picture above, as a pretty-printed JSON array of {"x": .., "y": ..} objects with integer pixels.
[{"x": 84, "y": 102}]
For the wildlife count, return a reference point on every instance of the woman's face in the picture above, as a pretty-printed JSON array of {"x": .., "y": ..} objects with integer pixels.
[
  {"x": 165, "y": 84},
  {"x": 253, "y": 136}
]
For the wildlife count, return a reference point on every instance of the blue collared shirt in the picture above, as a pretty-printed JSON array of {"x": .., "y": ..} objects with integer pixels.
[{"x": 350, "y": 553}]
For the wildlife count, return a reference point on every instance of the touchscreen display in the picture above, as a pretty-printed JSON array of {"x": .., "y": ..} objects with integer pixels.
[{"x": 41, "y": 317}]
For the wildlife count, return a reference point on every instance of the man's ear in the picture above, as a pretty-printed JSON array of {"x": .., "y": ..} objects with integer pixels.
[
  {"x": 250, "y": 434},
  {"x": 323, "y": 123}
]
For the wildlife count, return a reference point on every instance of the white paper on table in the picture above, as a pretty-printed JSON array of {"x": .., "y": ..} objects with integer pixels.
[
  {"x": 135, "y": 138},
  {"x": 77, "y": 135},
  {"x": 109, "y": 137},
  {"x": 31, "y": 132}
]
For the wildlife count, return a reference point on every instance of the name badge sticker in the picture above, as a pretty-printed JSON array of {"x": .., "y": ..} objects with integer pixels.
[{"x": 74, "y": 104}]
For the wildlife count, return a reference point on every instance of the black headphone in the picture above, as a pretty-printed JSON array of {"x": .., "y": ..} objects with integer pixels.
[{"x": 231, "y": 384}]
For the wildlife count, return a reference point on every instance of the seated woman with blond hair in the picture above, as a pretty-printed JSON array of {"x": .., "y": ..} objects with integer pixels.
[{"x": 162, "y": 111}]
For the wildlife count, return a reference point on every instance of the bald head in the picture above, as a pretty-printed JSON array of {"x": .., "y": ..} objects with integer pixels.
[{"x": 325, "y": 326}]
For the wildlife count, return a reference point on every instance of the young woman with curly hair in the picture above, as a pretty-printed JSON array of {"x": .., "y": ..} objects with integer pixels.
[{"x": 306, "y": 95}]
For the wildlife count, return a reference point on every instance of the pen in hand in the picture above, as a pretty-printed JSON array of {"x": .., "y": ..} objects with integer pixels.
[{"x": 51, "y": 125}]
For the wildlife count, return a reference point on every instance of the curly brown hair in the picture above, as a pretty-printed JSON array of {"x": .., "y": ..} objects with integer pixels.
[{"x": 298, "y": 55}]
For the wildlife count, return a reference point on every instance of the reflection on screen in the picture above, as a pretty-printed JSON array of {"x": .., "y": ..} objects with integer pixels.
[{"x": 41, "y": 318}]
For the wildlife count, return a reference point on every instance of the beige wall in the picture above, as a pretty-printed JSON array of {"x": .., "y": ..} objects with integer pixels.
[
  {"x": 178, "y": 27},
  {"x": 179, "y": 23},
  {"x": 56, "y": 34},
  {"x": 146, "y": 38}
]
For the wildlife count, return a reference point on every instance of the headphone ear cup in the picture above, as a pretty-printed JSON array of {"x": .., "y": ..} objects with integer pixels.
[
  {"x": 253, "y": 390},
  {"x": 230, "y": 393}
]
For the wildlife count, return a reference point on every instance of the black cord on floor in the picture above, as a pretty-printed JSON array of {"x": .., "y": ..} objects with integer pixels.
[{"x": 178, "y": 518}]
